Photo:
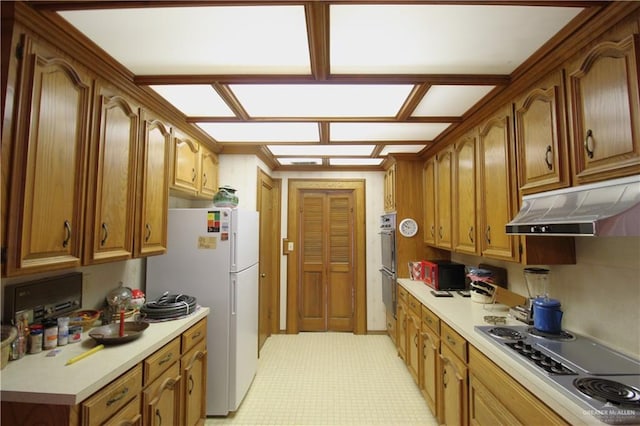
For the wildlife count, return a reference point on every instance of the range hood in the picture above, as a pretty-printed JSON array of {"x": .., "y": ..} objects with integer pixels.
[{"x": 610, "y": 208}]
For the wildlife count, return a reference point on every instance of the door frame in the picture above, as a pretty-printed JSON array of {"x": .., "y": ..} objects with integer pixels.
[
  {"x": 295, "y": 186},
  {"x": 274, "y": 290}
]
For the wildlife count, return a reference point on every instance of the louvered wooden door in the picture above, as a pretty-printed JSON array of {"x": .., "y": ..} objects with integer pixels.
[{"x": 327, "y": 276}]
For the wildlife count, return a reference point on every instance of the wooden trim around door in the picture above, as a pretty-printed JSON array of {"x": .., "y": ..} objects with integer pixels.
[{"x": 358, "y": 188}]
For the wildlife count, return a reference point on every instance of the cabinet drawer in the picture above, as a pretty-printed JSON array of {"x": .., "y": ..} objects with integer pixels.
[
  {"x": 110, "y": 399},
  {"x": 194, "y": 335},
  {"x": 414, "y": 305},
  {"x": 161, "y": 360},
  {"x": 431, "y": 320},
  {"x": 403, "y": 294},
  {"x": 131, "y": 414},
  {"x": 454, "y": 341}
]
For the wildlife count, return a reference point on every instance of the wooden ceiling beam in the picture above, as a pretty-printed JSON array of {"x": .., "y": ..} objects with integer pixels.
[
  {"x": 230, "y": 99},
  {"x": 317, "y": 15},
  {"x": 443, "y": 119},
  {"x": 449, "y": 79},
  {"x": 412, "y": 101},
  {"x": 120, "y": 4}
]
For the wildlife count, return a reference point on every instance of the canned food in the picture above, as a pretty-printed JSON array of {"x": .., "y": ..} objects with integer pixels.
[{"x": 75, "y": 333}]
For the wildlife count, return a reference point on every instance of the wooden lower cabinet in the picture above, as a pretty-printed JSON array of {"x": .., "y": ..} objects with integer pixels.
[
  {"x": 413, "y": 345},
  {"x": 430, "y": 367},
  {"x": 161, "y": 399},
  {"x": 495, "y": 398},
  {"x": 193, "y": 369},
  {"x": 453, "y": 389},
  {"x": 168, "y": 388},
  {"x": 105, "y": 403},
  {"x": 402, "y": 314},
  {"x": 391, "y": 327}
]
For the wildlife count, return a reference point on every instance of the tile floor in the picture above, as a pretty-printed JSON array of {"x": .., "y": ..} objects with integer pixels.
[{"x": 330, "y": 379}]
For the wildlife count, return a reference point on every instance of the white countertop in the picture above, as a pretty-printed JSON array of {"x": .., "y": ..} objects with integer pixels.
[
  {"x": 41, "y": 379},
  {"x": 461, "y": 314}
]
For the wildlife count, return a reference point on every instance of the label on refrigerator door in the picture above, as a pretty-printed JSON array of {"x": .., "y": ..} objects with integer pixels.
[
  {"x": 207, "y": 243},
  {"x": 213, "y": 221}
]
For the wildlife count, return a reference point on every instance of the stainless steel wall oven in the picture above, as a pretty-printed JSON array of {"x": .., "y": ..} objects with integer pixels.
[{"x": 388, "y": 270}]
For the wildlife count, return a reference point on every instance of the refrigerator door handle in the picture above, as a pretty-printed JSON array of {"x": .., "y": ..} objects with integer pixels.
[
  {"x": 234, "y": 289},
  {"x": 234, "y": 250}
]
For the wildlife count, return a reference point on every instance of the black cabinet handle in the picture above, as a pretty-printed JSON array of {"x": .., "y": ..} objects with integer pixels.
[
  {"x": 105, "y": 234},
  {"x": 548, "y": 160},
  {"x": 67, "y": 233},
  {"x": 589, "y": 146}
]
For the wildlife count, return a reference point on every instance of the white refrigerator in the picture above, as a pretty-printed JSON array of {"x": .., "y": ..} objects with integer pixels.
[{"x": 212, "y": 254}]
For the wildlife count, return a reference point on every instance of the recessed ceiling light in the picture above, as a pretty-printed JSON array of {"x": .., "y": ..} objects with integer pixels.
[
  {"x": 386, "y": 131},
  {"x": 322, "y": 100},
  {"x": 302, "y": 161},
  {"x": 262, "y": 132},
  {"x": 355, "y": 161},
  {"x": 195, "y": 99},
  {"x": 444, "y": 100},
  {"x": 408, "y": 149},
  {"x": 322, "y": 150}
]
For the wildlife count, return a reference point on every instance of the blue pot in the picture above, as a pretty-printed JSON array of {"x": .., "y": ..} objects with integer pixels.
[{"x": 547, "y": 316}]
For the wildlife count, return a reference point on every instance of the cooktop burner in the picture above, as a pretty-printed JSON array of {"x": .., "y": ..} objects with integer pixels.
[
  {"x": 600, "y": 380},
  {"x": 563, "y": 335},
  {"x": 609, "y": 391},
  {"x": 506, "y": 333}
]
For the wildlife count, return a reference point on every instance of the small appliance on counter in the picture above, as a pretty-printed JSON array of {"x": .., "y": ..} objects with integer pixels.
[
  {"x": 537, "y": 281},
  {"x": 482, "y": 288},
  {"x": 443, "y": 274}
]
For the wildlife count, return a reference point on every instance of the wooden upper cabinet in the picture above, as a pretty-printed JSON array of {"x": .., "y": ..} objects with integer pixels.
[
  {"x": 429, "y": 188},
  {"x": 543, "y": 160},
  {"x": 444, "y": 163},
  {"x": 497, "y": 188},
  {"x": 603, "y": 107},
  {"x": 151, "y": 223},
  {"x": 465, "y": 235},
  {"x": 390, "y": 189},
  {"x": 112, "y": 176},
  {"x": 186, "y": 163},
  {"x": 48, "y": 183},
  {"x": 209, "y": 176}
]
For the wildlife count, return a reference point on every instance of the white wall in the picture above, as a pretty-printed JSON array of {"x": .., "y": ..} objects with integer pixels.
[{"x": 600, "y": 295}]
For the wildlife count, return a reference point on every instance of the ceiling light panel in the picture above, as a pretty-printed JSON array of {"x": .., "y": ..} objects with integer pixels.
[
  {"x": 299, "y": 161},
  {"x": 262, "y": 132},
  {"x": 413, "y": 39},
  {"x": 201, "y": 40},
  {"x": 442, "y": 100},
  {"x": 401, "y": 149},
  {"x": 321, "y": 150},
  {"x": 195, "y": 99},
  {"x": 321, "y": 100},
  {"x": 386, "y": 131},
  {"x": 355, "y": 161}
]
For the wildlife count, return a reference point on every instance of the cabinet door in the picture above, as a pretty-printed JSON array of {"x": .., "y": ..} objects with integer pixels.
[
  {"x": 543, "y": 160},
  {"x": 194, "y": 386},
  {"x": 604, "y": 103},
  {"x": 429, "y": 188},
  {"x": 112, "y": 178},
  {"x": 161, "y": 399},
  {"x": 444, "y": 161},
  {"x": 186, "y": 164},
  {"x": 47, "y": 195},
  {"x": 209, "y": 178},
  {"x": 497, "y": 187},
  {"x": 430, "y": 368},
  {"x": 485, "y": 409},
  {"x": 465, "y": 193},
  {"x": 413, "y": 345},
  {"x": 454, "y": 389},
  {"x": 401, "y": 341},
  {"x": 151, "y": 230},
  {"x": 389, "y": 189}
]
